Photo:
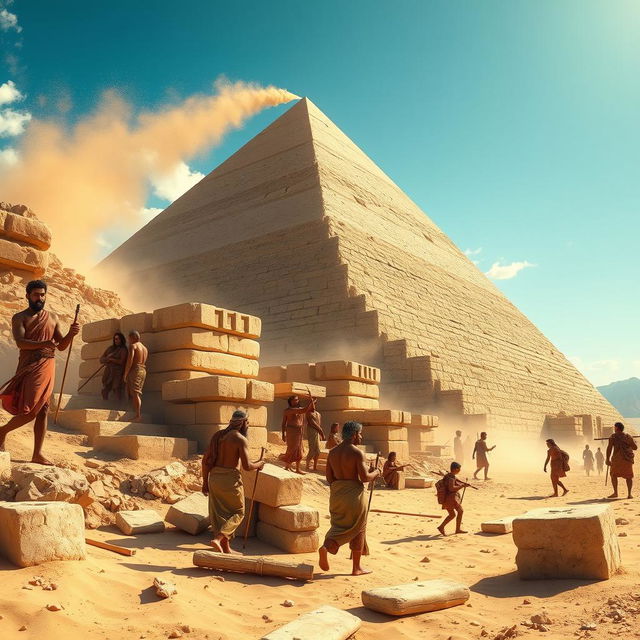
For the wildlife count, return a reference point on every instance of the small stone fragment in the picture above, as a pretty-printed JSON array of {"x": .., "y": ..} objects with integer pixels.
[
  {"x": 588, "y": 626},
  {"x": 622, "y": 521},
  {"x": 425, "y": 559},
  {"x": 164, "y": 589},
  {"x": 288, "y": 603},
  {"x": 176, "y": 633},
  {"x": 54, "y": 606}
]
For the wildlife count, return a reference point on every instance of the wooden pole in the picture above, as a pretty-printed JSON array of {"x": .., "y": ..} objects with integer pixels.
[
  {"x": 253, "y": 494},
  {"x": 95, "y": 373},
  {"x": 258, "y": 565},
  {"x": 463, "y": 490},
  {"x": 404, "y": 513},
  {"x": 111, "y": 547},
  {"x": 606, "y": 476},
  {"x": 66, "y": 366}
]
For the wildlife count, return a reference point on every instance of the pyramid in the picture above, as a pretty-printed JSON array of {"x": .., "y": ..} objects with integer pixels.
[{"x": 301, "y": 228}]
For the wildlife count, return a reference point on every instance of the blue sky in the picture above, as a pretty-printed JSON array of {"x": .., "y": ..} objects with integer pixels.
[{"x": 514, "y": 125}]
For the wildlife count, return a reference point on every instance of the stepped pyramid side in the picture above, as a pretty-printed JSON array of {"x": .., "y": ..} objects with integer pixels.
[{"x": 301, "y": 228}]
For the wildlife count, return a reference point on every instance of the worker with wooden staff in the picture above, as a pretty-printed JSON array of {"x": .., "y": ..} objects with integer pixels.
[
  {"x": 27, "y": 395},
  {"x": 347, "y": 473},
  {"x": 620, "y": 458},
  {"x": 222, "y": 481},
  {"x": 447, "y": 491}
]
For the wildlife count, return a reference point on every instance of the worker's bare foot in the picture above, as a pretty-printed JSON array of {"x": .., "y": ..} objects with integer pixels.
[
  {"x": 136, "y": 419},
  {"x": 565, "y": 492},
  {"x": 40, "y": 459},
  {"x": 323, "y": 559},
  {"x": 216, "y": 546},
  {"x": 613, "y": 495},
  {"x": 553, "y": 495},
  {"x": 361, "y": 572},
  {"x": 441, "y": 530},
  {"x": 461, "y": 531},
  {"x": 629, "y": 497},
  {"x": 300, "y": 472},
  {"x": 224, "y": 543}
]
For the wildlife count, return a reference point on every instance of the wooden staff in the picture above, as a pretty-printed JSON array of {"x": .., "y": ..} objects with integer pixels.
[
  {"x": 440, "y": 473},
  {"x": 463, "y": 490},
  {"x": 255, "y": 484},
  {"x": 366, "y": 518},
  {"x": 95, "y": 373},
  {"x": 111, "y": 547},
  {"x": 404, "y": 513},
  {"x": 606, "y": 476},
  {"x": 66, "y": 366}
]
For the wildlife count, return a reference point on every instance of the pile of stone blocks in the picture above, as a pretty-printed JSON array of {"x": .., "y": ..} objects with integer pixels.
[
  {"x": 277, "y": 516},
  {"x": 23, "y": 243},
  {"x": 563, "y": 426}
]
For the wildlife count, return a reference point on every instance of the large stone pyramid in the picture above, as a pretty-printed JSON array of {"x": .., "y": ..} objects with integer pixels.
[{"x": 301, "y": 228}]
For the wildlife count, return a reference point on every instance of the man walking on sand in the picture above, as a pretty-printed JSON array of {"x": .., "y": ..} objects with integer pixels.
[{"x": 480, "y": 454}]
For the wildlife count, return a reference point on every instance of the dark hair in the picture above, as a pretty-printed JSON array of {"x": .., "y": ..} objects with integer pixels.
[
  {"x": 551, "y": 441},
  {"x": 483, "y": 433},
  {"x": 123, "y": 340},
  {"x": 454, "y": 465},
  {"x": 238, "y": 415},
  {"x": 349, "y": 429},
  {"x": 290, "y": 400},
  {"x": 36, "y": 284},
  {"x": 391, "y": 453},
  {"x": 619, "y": 425}
]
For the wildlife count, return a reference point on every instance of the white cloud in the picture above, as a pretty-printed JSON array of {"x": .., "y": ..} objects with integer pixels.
[
  {"x": 9, "y": 21},
  {"x": 9, "y": 92},
  {"x": 507, "y": 271},
  {"x": 8, "y": 157},
  {"x": 172, "y": 185},
  {"x": 472, "y": 252},
  {"x": 149, "y": 213},
  {"x": 13, "y": 123}
]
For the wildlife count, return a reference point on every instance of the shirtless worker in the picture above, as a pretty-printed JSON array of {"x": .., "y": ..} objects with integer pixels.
[
  {"x": 450, "y": 501},
  {"x": 315, "y": 435},
  {"x": 334, "y": 438},
  {"x": 391, "y": 471},
  {"x": 480, "y": 454},
  {"x": 26, "y": 396},
  {"x": 458, "y": 447},
  {"x": 599, "y": 461},
  {"x": 292, "y": 432},
  {"x": 347, "y": 474},
  {"x": 587, "y": 458},
  {"x": 559, "y": 467},
  {"x": 135, "y": 372},
  {"x": 620, "y": 458},
  {"x": 222, "y": 481}
]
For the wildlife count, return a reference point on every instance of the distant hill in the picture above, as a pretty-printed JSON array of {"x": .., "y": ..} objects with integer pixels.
[{"x": 624, "y": 395}]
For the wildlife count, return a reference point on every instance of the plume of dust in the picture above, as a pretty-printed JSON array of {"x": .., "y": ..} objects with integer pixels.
[{"x": 97, "y": 174}]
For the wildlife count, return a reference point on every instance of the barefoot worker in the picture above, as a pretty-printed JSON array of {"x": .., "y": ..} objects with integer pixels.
[
  {"x": 391, "y": 471},
  {"x": 334, "y": 438},
  {"x": 599, "y": 461},
  {"x": 347, "y": 474},
  {"x": 114, "y": 360},
  {"x": 480, "y": 454},
  {"x": 587, "y": 458},
  {"x": 448, "y": 497},
  {"x": 135, "y": 372},
  {"x": 26, "y": 396},
  {"x": 315, "y": 435},
  {"x": 222, "y": 481},
  {"x": 620, "y": 458},
  {"x": 559, "y": 466},
  {"x": 292, "y": 432}
]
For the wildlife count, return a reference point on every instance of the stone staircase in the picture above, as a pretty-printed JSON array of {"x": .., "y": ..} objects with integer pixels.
[{"x": 111, "y": 431}]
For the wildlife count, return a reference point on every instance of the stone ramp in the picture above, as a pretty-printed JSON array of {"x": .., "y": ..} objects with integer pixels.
[
  {"x": 137, "y": 447},
  {"x": 77, "y": 419}
]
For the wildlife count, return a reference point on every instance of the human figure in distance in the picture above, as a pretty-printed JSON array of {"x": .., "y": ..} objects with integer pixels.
[
  {"x": 620, "y": 458},
  {"x": 135, "y": 372},
  {"x": 292, "y": 432},
  {"x": 347, "y": 474},
  {"x": 451, "y": 501},
  {"x": 558, "y": 460},
  {"x": 599, "y": 461},
  {"x": 26, "y": 396},
  {"x": 222, "y": 480},
  {"x": 458, "y": 447},
  {"x": 587, "y": 457},
  {"x": 114, "y": 360},
  {"x": 480, "y": 451},
  {"x": 334, "y": 438},
  {"x": 391, "y": 471},
  {"x": 315, "y": 435}
]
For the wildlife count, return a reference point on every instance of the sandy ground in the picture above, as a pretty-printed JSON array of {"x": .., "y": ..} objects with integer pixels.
[{"x": 110, "y": 596}]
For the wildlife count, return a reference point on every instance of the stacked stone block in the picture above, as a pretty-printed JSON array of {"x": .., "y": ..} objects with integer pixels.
[{"x": 24, "y": 242}]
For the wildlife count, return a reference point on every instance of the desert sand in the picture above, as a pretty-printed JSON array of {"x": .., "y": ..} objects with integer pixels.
[{"x": 111, "y": 596}]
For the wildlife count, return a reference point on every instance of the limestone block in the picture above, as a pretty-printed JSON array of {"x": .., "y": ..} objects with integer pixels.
[
  {"x": 415, "y": 597},
  {"x": 25, "y": 229},
  {"x": 302, "y": 372},
  {"x": 191, "y": 338},
  {"x": 155, "y": 381},
  {"x": 5, "y": 465},
  {"x": 421, "y": 420},
  {"x": 341, "y": 417},
  {"x": 244, "y": 347},
  {"x": 327, "y": 623},
  {"x": 201, "y": 433},
  {"x": 100, "y": 330},
  {"x": 206, "y": 316},
  {"x": 418, "y": 482},
  {"x": 210, "y": 412},
  {"x": 273, "y": 374},
  {"x": 385, "y": 432},
  {"x": 386, "y": 417},
  {"x": 351, "y": 388},
  {"x": 140, "y": 322},
  {"x": 207, "y": 361},
  {"x": 346, "y": 370},
  {"x": 499, "y": 525},
  {"x": 93, "y": 350},
  {"x": 257, "y": 437},
  {"x": 288, "y": 541},
  {"x": 297, "y": 517},
  {"x": 385, "y": 447},
  {"x": 35, "y": 532},
  {"x": 132, "y": 523},
  {"x": 419, "y": 438},
  {"x": 276, "y": 487},
  {"x": 567, "y": 542},
  {"x": 24, "y": 258},
  {"x": 206, "y": 388},
  {"x": 143, "y": 447},
  {"x": 286, "y": 389},
  {"x": 338, "y": 403},
  {"x": 180, "y": 413},
  {"x": 259, "y": 392},
  {"x": 191, "y": 514},
  {"x": 88, "y": 368}
]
